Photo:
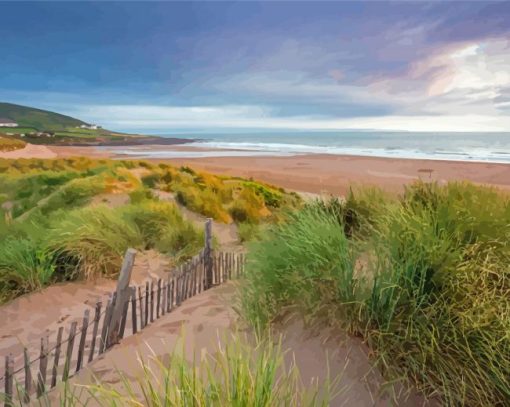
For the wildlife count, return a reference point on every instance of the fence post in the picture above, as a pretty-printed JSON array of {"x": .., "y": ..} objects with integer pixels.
[
  {"x": 43, "y": 365},
  {"x": 208, "y": 254},
  {"x": 133, "y": 310},
  {"x": 9, "y": 379},
  {"x": 69, "y": 352},
  {"x": 123, "y": 294},
  {"x": 28, "y": 376},
  {"x": 83, "y": 337},
  {"x": 54, "y": 372},
  {"x": 97, "y": 317}
]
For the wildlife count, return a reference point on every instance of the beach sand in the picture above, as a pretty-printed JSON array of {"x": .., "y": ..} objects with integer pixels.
[
  {"x": 314, "y": 173},
  {"x": 30, "y": 151},
  {"x": 333, "y": 174}
]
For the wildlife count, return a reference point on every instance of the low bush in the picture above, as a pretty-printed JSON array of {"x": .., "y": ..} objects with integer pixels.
[
  {"x": 248, "y": 207},
  {"x": 205, "y": 202},
  {"x": 272, "y": 196},
  {"x": 151, "y": 180}
]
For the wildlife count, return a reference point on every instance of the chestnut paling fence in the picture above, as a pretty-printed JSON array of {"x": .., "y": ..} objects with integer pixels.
[{"x": 127, "y": 311}]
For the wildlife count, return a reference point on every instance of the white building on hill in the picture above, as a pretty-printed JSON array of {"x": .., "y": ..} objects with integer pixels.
[
  {"x": 7, "y": 123},
  {"x": 90, "y": 126}
]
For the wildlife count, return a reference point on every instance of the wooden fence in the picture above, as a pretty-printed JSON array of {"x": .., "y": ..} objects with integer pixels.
[{"x": 127, "y": 311}]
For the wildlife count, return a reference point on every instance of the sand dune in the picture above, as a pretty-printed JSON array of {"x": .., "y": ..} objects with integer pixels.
[{"x": 30, "y": 151}]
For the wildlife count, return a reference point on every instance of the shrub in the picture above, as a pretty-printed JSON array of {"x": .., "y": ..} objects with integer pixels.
[
  {"x": 205, "y": 202},
  {"x": 151, "y": 180},
  {"x": 272, "y": 197},
  {"x": 187, "y": 170},
  {"x": 248, "y": 207}
]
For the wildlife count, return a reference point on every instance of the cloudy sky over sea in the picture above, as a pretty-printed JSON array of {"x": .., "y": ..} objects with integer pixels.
[{"x": 271, "y": 66}]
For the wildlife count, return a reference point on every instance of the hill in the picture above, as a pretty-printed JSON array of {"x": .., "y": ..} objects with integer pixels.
[
  {"x": 37, "y": 126},
  {"x": 38, "y": 119}
]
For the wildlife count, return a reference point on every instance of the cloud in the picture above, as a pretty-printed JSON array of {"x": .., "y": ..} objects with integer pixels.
[
  {"x": 466, "y": 78},
  {"x": 172, "y": 118},
  {"x": 459, "y": 79}
]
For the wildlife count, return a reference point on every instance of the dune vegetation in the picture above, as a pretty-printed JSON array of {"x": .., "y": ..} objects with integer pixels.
[
  {"x": 423, "y": 278},
  {"x": 10, "y": 144},
  {"x": 68, "y": 219},
  {"x": 240, "y": 371}
]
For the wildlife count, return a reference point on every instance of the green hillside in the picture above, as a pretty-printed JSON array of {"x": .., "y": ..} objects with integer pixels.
[{"x": 36, "y": 118}]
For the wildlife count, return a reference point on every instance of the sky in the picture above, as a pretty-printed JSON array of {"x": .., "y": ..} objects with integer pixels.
[{"x": 163, "y": 67}]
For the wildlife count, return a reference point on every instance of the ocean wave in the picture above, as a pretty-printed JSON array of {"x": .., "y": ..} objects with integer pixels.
[{"x": 259, "y": 149}]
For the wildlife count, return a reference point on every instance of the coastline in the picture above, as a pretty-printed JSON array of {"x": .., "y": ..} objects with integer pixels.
[
  {"x": 313, "y": 173},
  {"x": 336, "y": 174}
]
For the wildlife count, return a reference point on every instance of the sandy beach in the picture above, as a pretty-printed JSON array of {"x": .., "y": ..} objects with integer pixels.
[
  {"x": 315, "y": 173},
  {"x": 331, "y": 174},
  {"x": 335, "y": 174}
]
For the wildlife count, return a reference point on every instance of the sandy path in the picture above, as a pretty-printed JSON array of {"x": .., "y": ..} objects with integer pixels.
[
  {"x": 28, "y": 318},
  {"x": 225, "y": 234},
  {"x": 208, "y": 319}
]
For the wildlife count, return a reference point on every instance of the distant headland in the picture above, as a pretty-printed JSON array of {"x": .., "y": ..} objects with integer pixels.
[{"x": 37, "y": 126}]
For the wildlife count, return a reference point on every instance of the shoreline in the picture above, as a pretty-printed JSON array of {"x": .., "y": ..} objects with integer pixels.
[{"x": 313, "y": 173}]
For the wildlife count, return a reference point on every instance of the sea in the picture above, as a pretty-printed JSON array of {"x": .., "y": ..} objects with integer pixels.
[{"x": 480, "y": 147}]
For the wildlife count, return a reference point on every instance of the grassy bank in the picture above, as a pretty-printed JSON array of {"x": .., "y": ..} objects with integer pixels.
[
  {"x": 423, "y": 278},
  {"x": 70, "y": 219},
  {"x": 10, "y": 144}
]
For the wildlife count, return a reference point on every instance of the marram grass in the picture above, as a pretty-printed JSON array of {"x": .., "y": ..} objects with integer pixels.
[
  {"x": 51, "y": 228},
  {"x": 424, "y": 279},
  {"x": 238, "y": 373}
]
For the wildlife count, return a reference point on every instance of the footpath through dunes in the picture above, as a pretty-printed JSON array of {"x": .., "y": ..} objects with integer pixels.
[
  {"x": 225, "y": 234},
  {"x": 26, "y": 319},
  {"x": 205, "y": 323}
]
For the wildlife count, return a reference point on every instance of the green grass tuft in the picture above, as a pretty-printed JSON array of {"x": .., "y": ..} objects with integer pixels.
[
  {"x": 424, "y": 279},
  {"x": 238, "y": 373}
]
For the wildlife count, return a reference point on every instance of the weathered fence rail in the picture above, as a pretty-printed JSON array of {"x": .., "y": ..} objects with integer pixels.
[{"x": 127, "y": 311}]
